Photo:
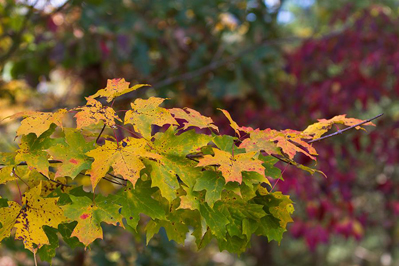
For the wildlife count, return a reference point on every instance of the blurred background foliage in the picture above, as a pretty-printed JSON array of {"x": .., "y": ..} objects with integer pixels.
[{"x": 271, "y": 63}]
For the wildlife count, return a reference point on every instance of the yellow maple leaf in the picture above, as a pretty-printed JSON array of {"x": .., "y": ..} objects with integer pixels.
[
  {"x": 145, "y": 113},
  {"x": 193, "y": 118},
  {"x": 232, "y": 166},
  {"x": 115, "y": 88},
  {"x": 233, "y": 124},
  {"x": 30, "y": 218},
  {"x": 38, "y": 122},
  {"x": 124, "y": 159},
  {"x": 316, "y": 130}
]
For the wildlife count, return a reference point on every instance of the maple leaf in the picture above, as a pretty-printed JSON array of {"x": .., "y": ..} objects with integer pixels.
[
  {"x": 32, "y": 150},
  {"x": 259, "y": 141},
  {"x": 175, "y": 229},
  {"x": 124, "y": 159},
  {"x": 193, "y": 118},
  {"x": 90, "y": 215},
  {"x": 269, "y": 140},
  {"x": 93, "y": 113},
  {"x": 191, "y": 200},
  {"x": 232, "y": 166},
  {"x": 30, "y": 218},
  {"x": 38, "y": 122},
  {"x": 316, "y": 130},
  {"x": 71, "y": 153},
  {"x": 213, "y": 183},
  {"x": 6, "y": 173},
  {"x": 137, "y": 200},
  {"x": 145, "y": 113},
  {"x": 115, "y": 88},
  {"x": 173, "y": 161},
  {"x": 233, "y": 124}
]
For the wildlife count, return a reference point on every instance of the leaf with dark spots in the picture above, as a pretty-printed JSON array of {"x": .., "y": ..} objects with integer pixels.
[{"x": 30, "y": 218}]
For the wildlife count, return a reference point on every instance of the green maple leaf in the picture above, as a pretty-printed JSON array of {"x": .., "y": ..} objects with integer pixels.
[
  {"x": 279, "y": 208},
  {"x": 283, "y": 210},
  {"x": 71, "y": 153},
  {"x": 173, "y": 150},
  {"x": 32, "y": 150},
  {"x": 240, "y": 209},
  {"x": 90, "y": 215},
  {"x": 115, "y": 88},
  {"x": 47, "y": 252},
  {"x": 269, "y": 226},
  {"x": 137, "y": 200},
  {"x": 216, "y": 219},
  {"x": 213, "y": 183},
  {"x": 175, "y": 227},
  {"x": 145, "y": 113},
  {"x": 124, "y": 159}
]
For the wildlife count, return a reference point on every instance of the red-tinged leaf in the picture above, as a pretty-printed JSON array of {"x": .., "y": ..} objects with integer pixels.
[
  {"x": 115, "y": 88},
  {"x": 38, "y": 122},
  {"x": 145, "y": 113},
  {"x": 193, "y": 118},
  {"x": 259, "y": 141},
  {"x": 290, "y": 142},
  {"x": 90, "y": 215},
  {"x": 232, "y": 166},
  {"x": 93, "y": 113},
  {"x": 316, "y": 130},
  {"x": 72, "y": 154}
]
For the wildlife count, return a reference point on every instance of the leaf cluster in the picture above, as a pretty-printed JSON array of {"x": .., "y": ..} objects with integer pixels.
[{"x": 175, "y": 171}]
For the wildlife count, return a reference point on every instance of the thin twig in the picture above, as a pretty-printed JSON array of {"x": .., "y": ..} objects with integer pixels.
[
  {"x": 102, "y": 130},
  {"x": 346, "y": 129},
  {"x": 114, "y": 182},
  {"x": 117, "y": 177},
  {"x": 55, "y": 181},
  {"x": 24, "y": 163}
]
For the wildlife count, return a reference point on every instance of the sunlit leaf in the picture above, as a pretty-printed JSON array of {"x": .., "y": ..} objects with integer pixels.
[
  {"x": 115, "y": 88},
  {"x": 145, "y": 113},
  {"x": 231, "y": 165},
  {"x": 38, "y": 122},
  {"x": 193, "y": 118},
  {"x": 30, "y": 218},
  {"x": 94, "y": 113}
]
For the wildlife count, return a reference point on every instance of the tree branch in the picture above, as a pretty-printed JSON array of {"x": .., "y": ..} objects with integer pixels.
[{"x": 346, "y": 129}]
